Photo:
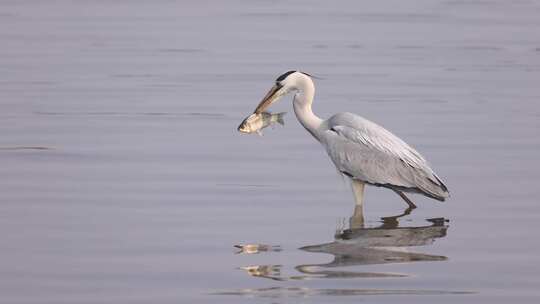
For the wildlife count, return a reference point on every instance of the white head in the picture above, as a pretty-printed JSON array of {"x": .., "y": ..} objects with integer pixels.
[{"x": 286, "y": 83}]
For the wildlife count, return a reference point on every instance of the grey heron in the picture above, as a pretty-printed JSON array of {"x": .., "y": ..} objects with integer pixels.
[{"x": 360, "y": 149}]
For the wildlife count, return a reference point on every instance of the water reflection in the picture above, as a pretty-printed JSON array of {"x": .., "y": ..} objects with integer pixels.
[
  {"x": 277, "y": 292},
  {"x": 386, "y": 243},
  {"x": 272, "y": 272},
  {"x": 256, "y": 248}
]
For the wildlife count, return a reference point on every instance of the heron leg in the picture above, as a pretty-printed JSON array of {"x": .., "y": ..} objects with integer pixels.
[
  {"x": 358, "y": 191},
  {"x": 406, "y": 199},
  {"x": 357, "y": 219}
]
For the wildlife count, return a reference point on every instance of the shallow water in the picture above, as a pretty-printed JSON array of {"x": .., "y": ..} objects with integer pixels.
[{"x": 124, "y": 179}]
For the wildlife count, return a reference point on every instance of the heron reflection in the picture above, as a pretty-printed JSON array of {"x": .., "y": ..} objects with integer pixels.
[{"x": 387, "y": 243}]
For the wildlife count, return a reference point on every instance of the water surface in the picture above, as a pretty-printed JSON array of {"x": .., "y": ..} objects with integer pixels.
[{"x": 124, "y": 179}]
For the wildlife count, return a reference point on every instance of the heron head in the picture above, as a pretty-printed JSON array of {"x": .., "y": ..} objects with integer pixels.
[{"x": 285, "y": 83}]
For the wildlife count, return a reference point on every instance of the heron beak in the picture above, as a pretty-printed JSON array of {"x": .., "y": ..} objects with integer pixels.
[{"x": 272, "y": 95}]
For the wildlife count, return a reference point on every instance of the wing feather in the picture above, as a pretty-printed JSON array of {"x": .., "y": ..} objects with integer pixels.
[{"x": 370, "y": 153}]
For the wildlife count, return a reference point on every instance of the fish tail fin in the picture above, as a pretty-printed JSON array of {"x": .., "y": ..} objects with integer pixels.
[{"x": 280, "y": 118}]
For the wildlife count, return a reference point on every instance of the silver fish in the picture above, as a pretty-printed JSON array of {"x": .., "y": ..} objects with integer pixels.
[{"x": 255, "y": 122}]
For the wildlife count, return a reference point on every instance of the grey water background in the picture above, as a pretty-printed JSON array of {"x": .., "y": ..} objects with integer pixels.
[{"x": 124, "y": 180}]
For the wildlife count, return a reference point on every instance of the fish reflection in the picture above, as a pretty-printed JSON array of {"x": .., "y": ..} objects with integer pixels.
[
  {"x": 387, "y": 243},
  {"x": 272, "y": 272},
  {"x": 256, "y": 248}
]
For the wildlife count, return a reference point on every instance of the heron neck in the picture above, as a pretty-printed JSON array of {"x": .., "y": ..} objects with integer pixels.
[{"x": 302, "y": 107}]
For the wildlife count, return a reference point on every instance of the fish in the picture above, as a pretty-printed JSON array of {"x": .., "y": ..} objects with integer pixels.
[{"x": 255, "y": 122}]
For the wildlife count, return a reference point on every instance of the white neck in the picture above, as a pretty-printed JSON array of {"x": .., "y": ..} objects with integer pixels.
[{"x": 302, "y": 105}]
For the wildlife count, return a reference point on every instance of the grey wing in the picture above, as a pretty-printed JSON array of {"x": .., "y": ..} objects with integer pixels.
[{"x": 366, "y": 151}]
